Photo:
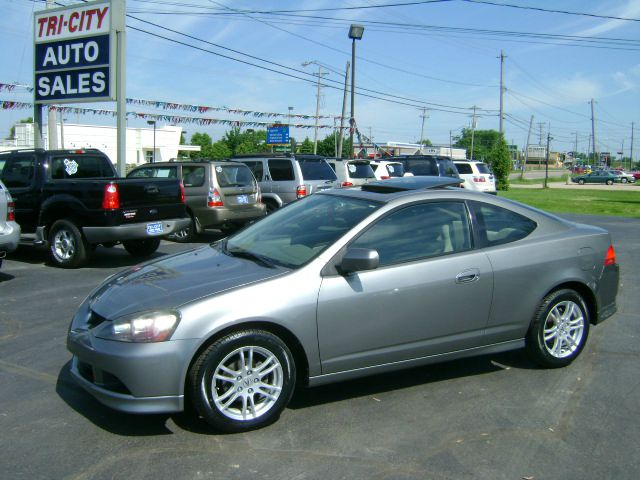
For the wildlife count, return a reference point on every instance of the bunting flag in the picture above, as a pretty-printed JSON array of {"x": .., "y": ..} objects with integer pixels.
[
  {"x": 170, "y": 119},
  {"x": 10, "y": 87}
]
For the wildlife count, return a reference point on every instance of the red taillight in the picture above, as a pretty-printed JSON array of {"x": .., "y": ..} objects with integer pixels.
[
  {"x": 301, "y": 191},
  {"x": 385, "y": 177},
  {"x": 479, "y": 179},
  {"x": 182, "y": 200},
  {"x": 11, "y": 212},
  {"x": 610, "y": 259},
  {"x": 214, "y": 199},
  {"x": 347, "y": 184},
  {"x": 111, "y": 199}
]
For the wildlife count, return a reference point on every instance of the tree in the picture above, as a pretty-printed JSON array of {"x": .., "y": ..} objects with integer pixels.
[
  {"x": 219, "y": 150},
  {"x": 426, "y": 142},
  {"x": 202, "y": 139},
  {"x": 490, "y": 147},
  {"x": 306, "y": 146}
]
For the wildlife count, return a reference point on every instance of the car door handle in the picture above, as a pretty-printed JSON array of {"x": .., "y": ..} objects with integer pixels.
[{"x": 467, "y": 276}]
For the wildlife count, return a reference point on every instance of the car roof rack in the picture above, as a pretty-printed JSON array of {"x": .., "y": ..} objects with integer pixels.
[{"x": 401, "y": 184}]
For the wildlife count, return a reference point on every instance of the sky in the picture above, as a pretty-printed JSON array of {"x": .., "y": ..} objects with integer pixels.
[{"x": 421, "y": 66}]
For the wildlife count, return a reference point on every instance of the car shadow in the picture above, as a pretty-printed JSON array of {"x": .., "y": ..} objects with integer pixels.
[
  {"x": 5, "y": 277},
  {"x": 126, "y": 424}
]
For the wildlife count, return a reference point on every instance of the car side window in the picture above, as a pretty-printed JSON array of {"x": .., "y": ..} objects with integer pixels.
[
  {"x": 18, "y": 172},
  {"x": 418, "y": 232},
  {"x": 256, "y": 169},
  {"x": 464, "y": 168},
  {"x": 193, "y": 176},
  {"x": 154, "y": 172},
  {"x": 497, "y": 226},
  {"x": 281, "y": 170}
]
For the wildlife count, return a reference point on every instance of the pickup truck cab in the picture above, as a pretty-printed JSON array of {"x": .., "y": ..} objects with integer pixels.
[{"x": 72, "y": 200}]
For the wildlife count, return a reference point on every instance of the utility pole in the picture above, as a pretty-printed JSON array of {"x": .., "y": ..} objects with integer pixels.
[
  {"x": 575, "y": 151},
  {"x": 526, "y": 151},
  {"x": 540, "y": 136},
  {"x": 593, "y": 134},
  {"x": 631, "y": 154},
  {"x": 315, "y": 134},
  {"x": 502, "y": 57},
  {"x": 344, "y": 111},
  {"x": 424, "y": 115},
  {"x": 473, "y": 129},
  {"x": 546, "y": 170}
]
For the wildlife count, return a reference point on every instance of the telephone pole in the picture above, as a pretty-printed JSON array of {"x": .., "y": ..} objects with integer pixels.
[
  {"x": 502, "y": 89},
  {"x": 424, "y": 115},
  {"x": 540, "y": 136},
  {"x": 526, "y": 151},
  {"x": 546, "y": 169},
  {"x": 631, "y": 154},
  {"x": 473, "y": 129},
  {"x": 593, "y": 134}
]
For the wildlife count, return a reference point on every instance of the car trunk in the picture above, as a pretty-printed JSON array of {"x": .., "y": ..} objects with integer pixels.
[{"x": 238, "y": 187}]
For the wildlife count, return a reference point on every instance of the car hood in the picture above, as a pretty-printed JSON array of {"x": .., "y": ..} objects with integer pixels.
[{"x": 176, "y": 280}]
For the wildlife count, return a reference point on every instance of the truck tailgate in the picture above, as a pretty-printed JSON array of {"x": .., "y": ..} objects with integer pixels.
[{"x": 148, "y": 199}]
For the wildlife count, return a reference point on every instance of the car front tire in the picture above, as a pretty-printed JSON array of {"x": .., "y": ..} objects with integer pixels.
[
  {"x": 581, "y": 181},
  {"x": 141, "y": 248},
  {"x": 559, "y": 329},
  {"x": 609, "y": 182},
  {"x": 242, "y": 381}
]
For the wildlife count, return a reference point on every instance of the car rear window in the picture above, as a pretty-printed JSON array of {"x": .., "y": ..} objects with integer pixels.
[
  {"x": 421, "y": 166},
  {"x": 447, "y": 168},
  {"x": 464, "y": 168},
  {"x": 482, "y": 168},
  {"x": 234, "y": 175},
  {"x": 316, "y": 169},
  {"x": 360, "y": 170},
  {"x": 80, "y": 166}
]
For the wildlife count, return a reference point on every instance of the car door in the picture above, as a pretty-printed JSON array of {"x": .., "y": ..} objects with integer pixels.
[
  {"x": 19, "y": 174},
  {"x": 431, "y": 293}
]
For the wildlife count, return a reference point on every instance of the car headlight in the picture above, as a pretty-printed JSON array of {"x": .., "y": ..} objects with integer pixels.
[{"x": 141, "y": 327}]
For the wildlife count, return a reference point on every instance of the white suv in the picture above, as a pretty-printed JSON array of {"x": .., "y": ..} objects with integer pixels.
[
  {"x": 385, "y": 169},
  {"x": 476, "y": 175},
  {"x": 9, "y": 229}
]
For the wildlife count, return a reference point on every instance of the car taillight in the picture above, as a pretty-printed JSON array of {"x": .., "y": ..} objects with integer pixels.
[
  {"x": 182, "y": 200},
  {"x": 346, "y": 184},
  {"x": 385, "y": 177},
  {"x": 610, "y": 259},
  {"x": 11, "y": 212},
  {"x": 111, "y": 199},
  {"x": 479, "y": 179},
  {"x": 301, "y": 191},
  {"x": 214, "y": 199}
]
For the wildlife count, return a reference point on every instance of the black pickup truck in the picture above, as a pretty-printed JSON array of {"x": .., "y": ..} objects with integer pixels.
[{"x": 72, "y": 200}]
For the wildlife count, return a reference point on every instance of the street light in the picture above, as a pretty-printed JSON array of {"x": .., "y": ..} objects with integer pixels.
[
  {"x": 153, "y": 154},
  {"x": 355, "y": 33}
]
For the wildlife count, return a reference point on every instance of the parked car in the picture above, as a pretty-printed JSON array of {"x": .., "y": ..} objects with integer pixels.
[
  {"x": 352, "y": 173},
  {"x": 345, "y": 283},
  {"x": 476, "y": 176},
  {"x": 72, "y": 200},
  {"x": 9, "y": 229},
  {"x": 429, "y": 165},
  {"x": 598, "y": 176},
  {"x": 624, "y": 176},
  {"x": 284, "y": 178},
  {"x": 384, "y": 169},
  {"x": 218, "y": 194}
]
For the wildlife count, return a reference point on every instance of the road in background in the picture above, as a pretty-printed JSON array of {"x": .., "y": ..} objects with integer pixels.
[{"x": 492, "y": 417}]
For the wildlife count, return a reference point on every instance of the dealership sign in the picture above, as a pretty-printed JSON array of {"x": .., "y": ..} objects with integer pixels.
[
  {"x": 277, "y": 135},
  {"x": 74, "y": 54}
]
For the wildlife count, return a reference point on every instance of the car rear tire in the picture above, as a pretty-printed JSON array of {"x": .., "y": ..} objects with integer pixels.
[
  {"x": 271, "y": 206},
  {"x": 186, "y": 235},
  {"x": 67, "y": 246},
  {"x": 609, "y": 182},
  {"x": 141, "y": 248},
  {"x": 559, "y": 329},
  {"x": 581, "y": 181},
  {"x": 624, "y": 180},
  {"x": 242, "y": 381}
]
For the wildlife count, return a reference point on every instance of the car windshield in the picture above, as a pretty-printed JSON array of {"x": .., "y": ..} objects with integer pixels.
[
  {"x": 296, "y": 234},
  {"x": 316, "y": 169}
]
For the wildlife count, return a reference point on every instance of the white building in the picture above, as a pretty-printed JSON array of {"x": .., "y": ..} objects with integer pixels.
[
  {"x": 377, "y": 150},
  {"x": 141, "y": 143}
]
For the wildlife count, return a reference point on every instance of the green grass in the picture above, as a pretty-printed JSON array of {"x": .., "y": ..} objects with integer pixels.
[
  {"x": 592, "y": 202},
  {"x": 537, "y": 181}
]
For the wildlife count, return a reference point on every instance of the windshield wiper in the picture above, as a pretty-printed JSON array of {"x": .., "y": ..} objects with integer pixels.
[{"x": 264, "y": 261}]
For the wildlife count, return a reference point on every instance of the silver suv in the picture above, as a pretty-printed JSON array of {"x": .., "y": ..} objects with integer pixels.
[
  {"x": 218, "y": 194},
  {"x": 352, "y": 173},
  {"x": 9, "y": 229},
  {"x": 284, "y": 179}
]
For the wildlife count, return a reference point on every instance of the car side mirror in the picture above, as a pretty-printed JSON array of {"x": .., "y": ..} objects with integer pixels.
[{"x": 359, "y": 259}]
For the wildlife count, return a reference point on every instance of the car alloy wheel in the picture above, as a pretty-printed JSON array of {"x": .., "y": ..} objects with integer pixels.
[
  {"x": 67, "y": 246},
  {"x": 559, "y": 330},
  {"x": 243, "y": 380}
]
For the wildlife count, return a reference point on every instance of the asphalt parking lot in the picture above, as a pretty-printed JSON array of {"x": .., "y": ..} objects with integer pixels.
[{"x": 492, "y": 417}]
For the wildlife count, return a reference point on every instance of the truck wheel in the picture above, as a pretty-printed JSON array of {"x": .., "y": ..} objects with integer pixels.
[
  {"x": 141, "y": 248},
  {"x": 67, "y": 246}
]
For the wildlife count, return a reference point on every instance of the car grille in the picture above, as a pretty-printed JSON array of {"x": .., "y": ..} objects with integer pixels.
[{"x": 102, "y": 378}]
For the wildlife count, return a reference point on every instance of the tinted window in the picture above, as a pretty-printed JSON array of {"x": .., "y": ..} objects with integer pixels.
[
  {"x": 423, "y": 166},
  {"x": 417, "y": 232},
  {"x": 464, "y": 168},
  {"x": 256, "y": 169},
  {"x": 482, "y": 168},
  {"x": 154, "y": 172},
  {"x": 395, "y": 169},
  {"x": 234, "y": 176},
  {"x": 18, "y": 172},
  {"x": 193, "y": 176},
  {"x": 316, "y": 170},
  {"x": 360, "y": 170},
  {"x": 281, "y": 170},
  {"x": 498, "y": 225},
  {"x": 80, "y": 166},
  {"x": 447, "y": 168}
]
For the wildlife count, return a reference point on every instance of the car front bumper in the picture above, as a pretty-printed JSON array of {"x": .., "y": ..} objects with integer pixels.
[
  {"x": 131, "y": 377},
  {"x": 9, "y": 236}
]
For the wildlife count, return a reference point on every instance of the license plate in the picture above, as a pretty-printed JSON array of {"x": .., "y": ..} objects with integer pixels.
[
  {"x": 154, "y": 228},
  {"x": 243, "y": 199}
]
